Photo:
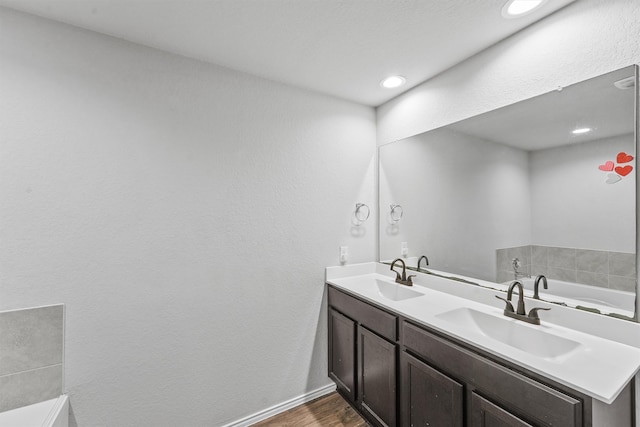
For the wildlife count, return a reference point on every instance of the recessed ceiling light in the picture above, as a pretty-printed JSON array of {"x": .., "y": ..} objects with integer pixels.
[
  {"x": 517, "y": 8},
  {"x": 393, "y": 81},
  {"x": 580, "y": 131}
]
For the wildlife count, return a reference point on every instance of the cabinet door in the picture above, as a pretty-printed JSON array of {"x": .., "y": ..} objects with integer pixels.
[
  {"x": 377, "y": 377},
  {"x": 486, "y": 414},
  {"x": 429, "y": 398},
  {"x": 342, "y": 353}
]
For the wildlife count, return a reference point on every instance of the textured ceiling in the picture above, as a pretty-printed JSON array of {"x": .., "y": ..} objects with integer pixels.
[{"x": 342, "y": 48}]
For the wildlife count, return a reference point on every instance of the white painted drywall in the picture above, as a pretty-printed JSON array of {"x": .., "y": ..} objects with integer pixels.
[
  {"x": 454, "y": 188},
  {"x": 583, "y": 40},
  {"x": 183, "y": 212},
  {"x": 569, "y": 193}
]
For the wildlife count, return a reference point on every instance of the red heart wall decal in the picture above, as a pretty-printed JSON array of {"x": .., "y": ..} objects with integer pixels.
[
  {"x": 623, "y": 157},
  {"x": 624, "y": 170},
  {"x": 607, "y": 166}
]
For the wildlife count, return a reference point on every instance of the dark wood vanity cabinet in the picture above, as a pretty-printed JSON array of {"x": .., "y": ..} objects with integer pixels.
[
  {"x": 376, "y": 377},
  {"x": 342, "y": 357},
  {"x": 398, "y": 373},
  {"x": 488, "y": 393},
  {"x": 363, "y": 356},
  {"x": 486, "y": 414},
  {"x": 429, "y": 398}
]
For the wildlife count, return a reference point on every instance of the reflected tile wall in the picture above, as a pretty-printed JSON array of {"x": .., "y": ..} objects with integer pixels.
[
  {"x": 505, "y": 259},
  {"x": 614, "y": 270},
  {"x": 31, "y": 355}
]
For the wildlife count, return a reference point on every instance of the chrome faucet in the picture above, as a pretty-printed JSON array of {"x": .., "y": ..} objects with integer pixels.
[
  {"x": 536, "y": 284},
  {"x": 402, "y": 279},
  {"x": 515, "y": 263},
  {"x": 520, "y": 313},
  {"x": 426, "y": 260}
]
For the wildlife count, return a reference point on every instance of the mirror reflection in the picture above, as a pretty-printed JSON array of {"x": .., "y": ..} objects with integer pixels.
[{"x": 546, "y": 186}]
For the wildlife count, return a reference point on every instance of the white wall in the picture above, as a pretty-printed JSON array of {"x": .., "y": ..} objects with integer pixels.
[
  {"x": 183, "y": 212},
  {"x": 569, "y": 194},
  {"x": 583, "y": 40},
  {"x": 454, "y": 188}
]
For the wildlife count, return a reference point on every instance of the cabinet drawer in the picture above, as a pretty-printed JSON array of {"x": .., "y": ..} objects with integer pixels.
[
  {"x": 523, "y": 396},
  {"x": 375, "y": 319}
]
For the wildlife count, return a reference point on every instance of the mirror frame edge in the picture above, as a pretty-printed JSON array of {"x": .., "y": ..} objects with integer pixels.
[{"x": 636, "y": 315}]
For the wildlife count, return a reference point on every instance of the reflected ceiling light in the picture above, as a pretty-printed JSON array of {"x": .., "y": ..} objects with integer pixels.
[
  {"x": 393, "y": 81},
  {"x": 517, "y": 8},
  {"x": 627, "y": 83},
  {"x": 580, "y": 131}
]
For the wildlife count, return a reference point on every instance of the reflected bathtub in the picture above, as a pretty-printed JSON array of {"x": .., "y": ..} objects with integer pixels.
[{"x": 574, "y": 294}]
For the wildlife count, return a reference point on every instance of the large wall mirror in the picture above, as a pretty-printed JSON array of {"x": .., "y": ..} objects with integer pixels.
[{"x": 544, "y": 186}]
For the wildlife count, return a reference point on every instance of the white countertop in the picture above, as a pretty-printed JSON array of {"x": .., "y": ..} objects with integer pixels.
[{"x": 599, "y": 367}]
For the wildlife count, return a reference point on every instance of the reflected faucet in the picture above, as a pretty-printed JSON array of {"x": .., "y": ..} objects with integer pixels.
[
  {"x": 515, "y": 263},
  {"x": 402, "y": 279},
  {"x": 520, "y": 313},
  {"x": 536, "y": 285},
  {"x": 426, "y": 260}
]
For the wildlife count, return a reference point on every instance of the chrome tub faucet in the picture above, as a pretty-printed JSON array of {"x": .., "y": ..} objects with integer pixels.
[{"x": 516, "y": 264}]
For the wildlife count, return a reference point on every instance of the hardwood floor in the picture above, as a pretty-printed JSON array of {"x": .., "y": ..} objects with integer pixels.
[{"x": 327, "y": 411}]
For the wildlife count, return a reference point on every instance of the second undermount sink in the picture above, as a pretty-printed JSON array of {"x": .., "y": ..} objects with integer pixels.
[
  {"x": 514, "y": 333},
  {"x": 396, "y": 292}
]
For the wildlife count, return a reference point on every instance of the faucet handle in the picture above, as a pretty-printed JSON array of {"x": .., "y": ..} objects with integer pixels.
[
  {"x": 533, "y": 313},
  {"x": 409, "y": 281},
  {"x": 509, "y": 306}
]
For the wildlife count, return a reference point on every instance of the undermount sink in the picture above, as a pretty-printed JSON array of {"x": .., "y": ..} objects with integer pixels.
[
  {"x": 511, "y": 332},
  {"x": 395, "y": 292}
]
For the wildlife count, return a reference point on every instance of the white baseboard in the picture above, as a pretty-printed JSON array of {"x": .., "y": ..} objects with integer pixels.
[{"x": 281, "y": 407}]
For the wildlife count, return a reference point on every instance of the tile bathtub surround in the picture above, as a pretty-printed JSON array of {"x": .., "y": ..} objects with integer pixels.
[
  {"x": 29, "y": 387},
  {"x": 614, "y": 270},
  {"x": 31, "y": 355}
]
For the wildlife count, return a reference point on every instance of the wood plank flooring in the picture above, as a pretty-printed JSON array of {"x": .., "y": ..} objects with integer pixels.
[{"x": 327, "y": 411}]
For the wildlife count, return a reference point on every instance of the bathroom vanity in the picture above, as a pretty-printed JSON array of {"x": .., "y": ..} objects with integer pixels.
[{"x": 415, "y": 356}]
